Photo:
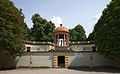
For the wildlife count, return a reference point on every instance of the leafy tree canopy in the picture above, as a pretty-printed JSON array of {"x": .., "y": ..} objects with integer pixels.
[
  {"x": 77, "y": 33},
  {"x": 91, "y": 37},
  {"x": 42, "y": 29},
  {"x": 107, "y": 34},
  {"x": 12, "y": 29}
]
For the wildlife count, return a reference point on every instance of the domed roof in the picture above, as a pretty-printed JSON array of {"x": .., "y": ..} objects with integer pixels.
[{"x": 61, "y": 29}]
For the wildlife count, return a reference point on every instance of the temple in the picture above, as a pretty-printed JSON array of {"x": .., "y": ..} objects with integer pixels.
[
  {"x": 61, "y": 36},
  {"x": 62, "y": 53}
]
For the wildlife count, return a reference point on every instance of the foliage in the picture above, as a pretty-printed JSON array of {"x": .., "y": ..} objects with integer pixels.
[
  {"x": 42, "y": 29},
  {"x": 73, "y": 36},
  {"x": 91, "y": 37},
  {"x": 12, "y": 33},
  {"x": 27, "y": 31},
  {"x": 77, "y": 33},
  {"x": 107, "y": 34}
]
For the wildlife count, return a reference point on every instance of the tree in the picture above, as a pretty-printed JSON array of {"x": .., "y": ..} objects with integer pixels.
[
  {"x": 107, "y": 34},
  {"x": 77, "y": 33},
  {"x": 27, "y": 31},
  {"x": 12, "y": 33},
  {"x": 37, "y": 32},
  {"x": 48, "y": 30},
  {"x": 80, "y": 33},
  {"x": 91, "y": 37},
  {"x": 42, "y": 29},
  {"x": 73, "y": 36}
]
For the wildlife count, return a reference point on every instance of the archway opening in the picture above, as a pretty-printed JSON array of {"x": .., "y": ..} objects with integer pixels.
[{"x": 61, "y": 61}]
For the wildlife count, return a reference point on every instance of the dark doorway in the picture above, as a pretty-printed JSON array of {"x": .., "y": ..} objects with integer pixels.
[{"x": 61, "y": 61}]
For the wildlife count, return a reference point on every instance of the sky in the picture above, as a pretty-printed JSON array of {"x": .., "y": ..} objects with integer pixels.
[{"x": 67, "y": 12}]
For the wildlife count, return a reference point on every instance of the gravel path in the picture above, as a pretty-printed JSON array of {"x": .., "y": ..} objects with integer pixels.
[{"x": 52, "y": 71}]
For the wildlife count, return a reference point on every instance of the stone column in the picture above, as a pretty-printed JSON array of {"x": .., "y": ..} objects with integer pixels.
[
  {"x": 64, "y": 41},
  {"x": 55, "y": 64},
  {"x": 91, "y": 59},
  {"x": 58, "y": 39},
  {"x": 66, "y": 61},
  {"x": 55, "y": 39},
  {"x": 67, "y": 40},
  {"x": 30, "y": 63}
]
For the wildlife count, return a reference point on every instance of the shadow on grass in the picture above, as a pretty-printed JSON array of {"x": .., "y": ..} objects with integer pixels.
[{"x": 97, "y": 69}]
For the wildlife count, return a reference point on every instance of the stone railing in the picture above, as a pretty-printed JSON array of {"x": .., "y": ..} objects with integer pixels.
[
  {"x": 39, "y": 43},
  {"x": 81, "y": 42}
]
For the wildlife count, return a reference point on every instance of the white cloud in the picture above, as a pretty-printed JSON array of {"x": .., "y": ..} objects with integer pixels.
[{"x": 57, "y": 20}]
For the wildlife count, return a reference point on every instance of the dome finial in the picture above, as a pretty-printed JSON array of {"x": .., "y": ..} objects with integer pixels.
[
  {"x": 61, "y": 29},
  {"x": 60, "y": 24}
]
